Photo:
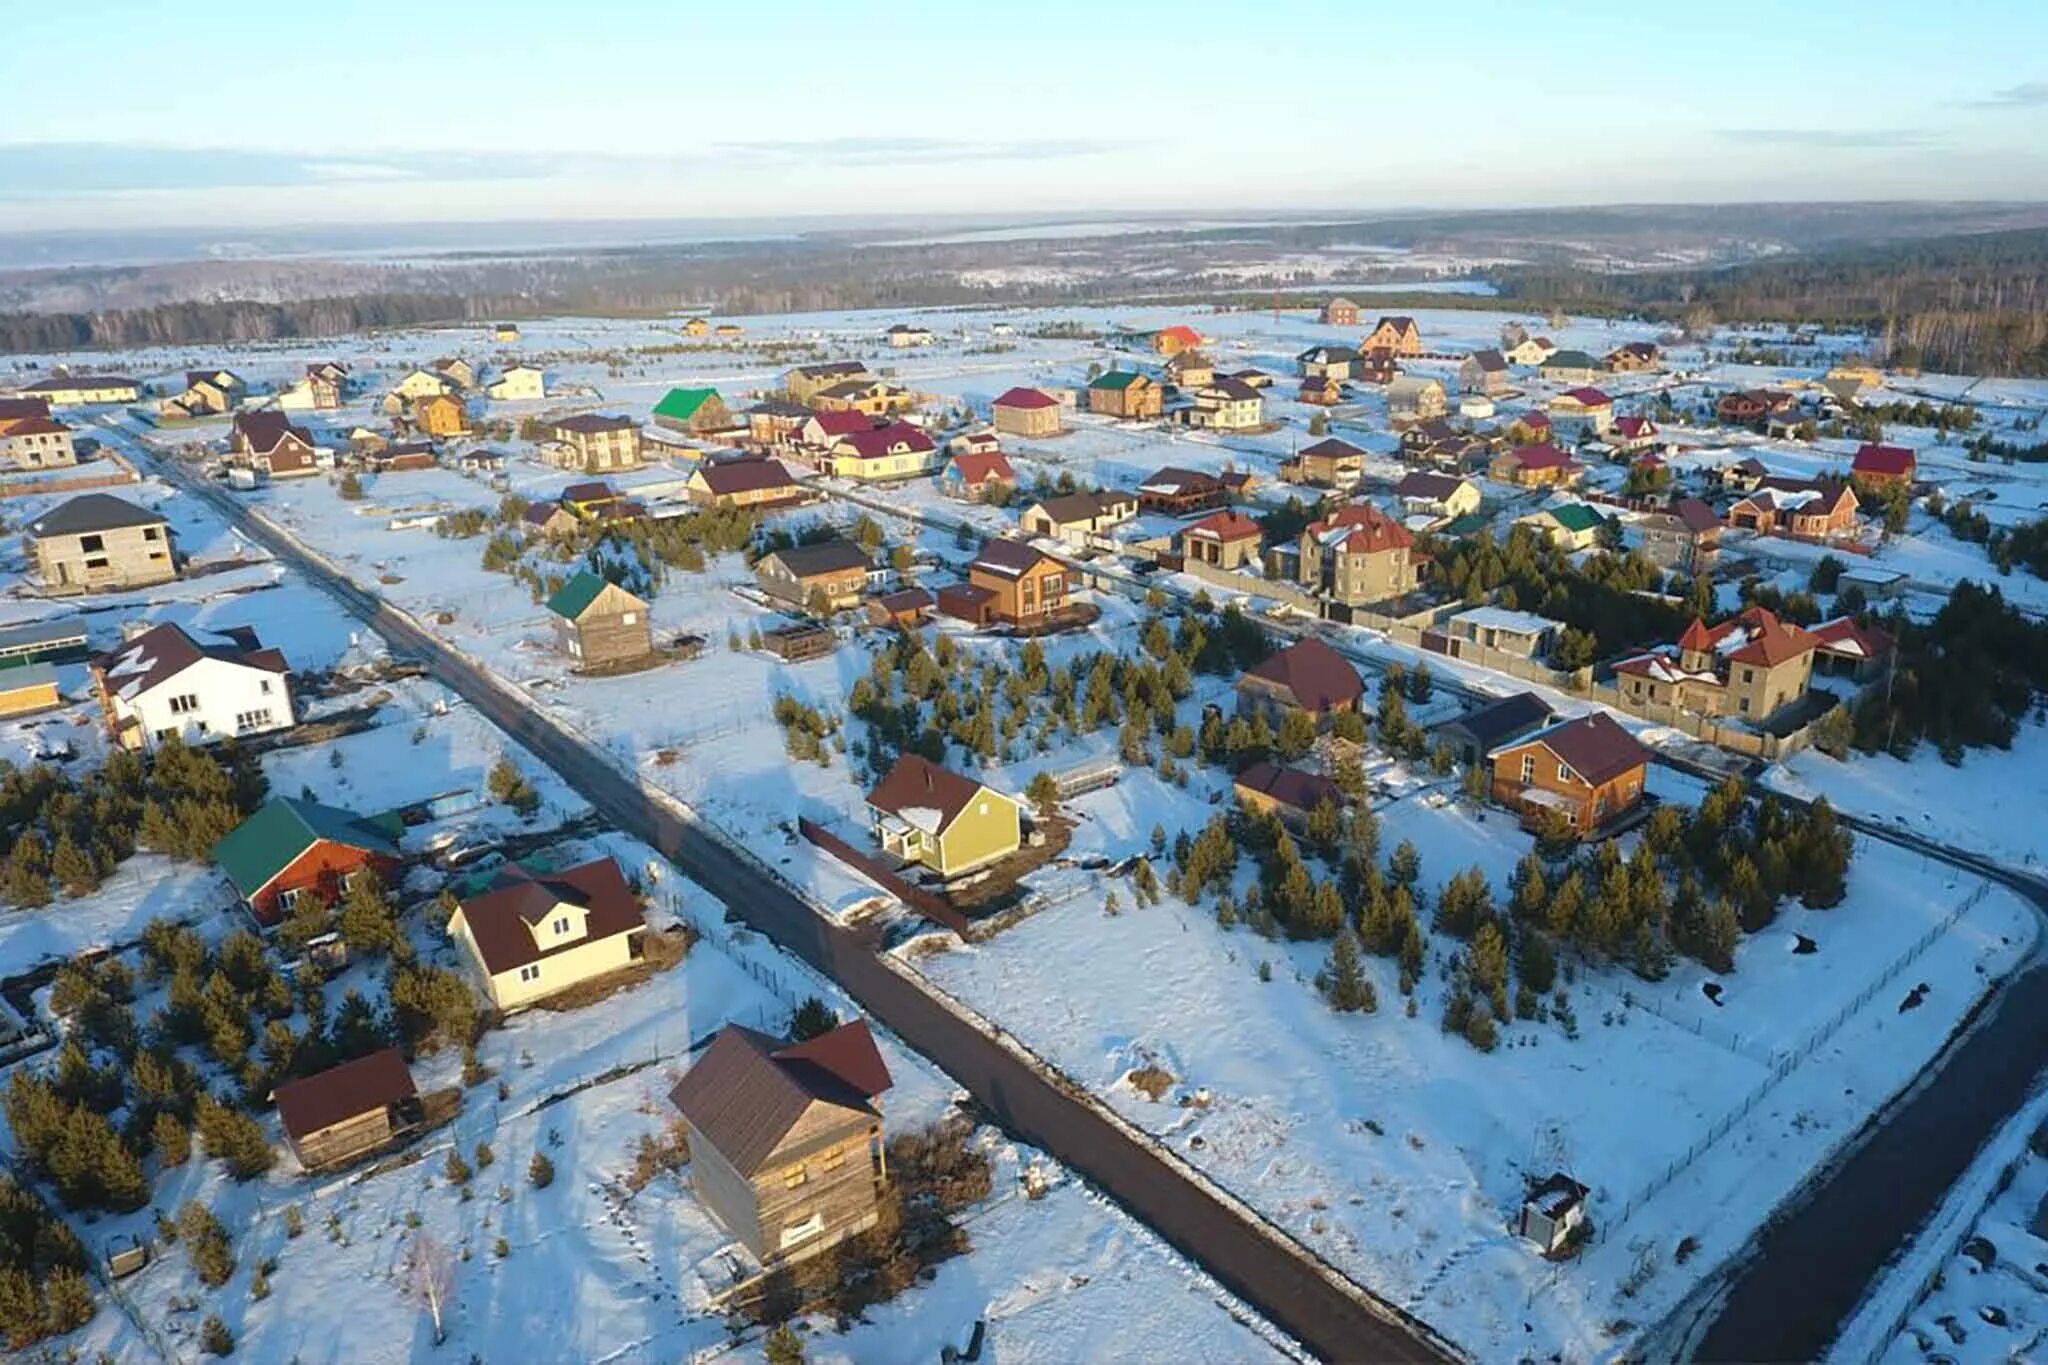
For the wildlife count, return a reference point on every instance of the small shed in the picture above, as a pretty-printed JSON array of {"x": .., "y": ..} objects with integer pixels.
[
  {"x": 29, "y": 688},
  {"x": 796, "y": 643},
  {"x": 1554, "y": 1207},
  {"x": 599, "y": 623},
  {"x": 347, "y": 1110}
]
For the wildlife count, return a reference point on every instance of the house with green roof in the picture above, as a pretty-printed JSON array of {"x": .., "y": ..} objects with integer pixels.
[
  {"x": 692, "y": 411},
  {"x": 1127, "y": 394},
  {"x": 599, "y": 624},
  {"x": 292, "y": 847},
  {"x": 1569, "y": 526}
]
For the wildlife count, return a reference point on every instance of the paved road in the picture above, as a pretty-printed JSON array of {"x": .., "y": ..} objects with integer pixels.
[{"x": 1279, "y": 1279}]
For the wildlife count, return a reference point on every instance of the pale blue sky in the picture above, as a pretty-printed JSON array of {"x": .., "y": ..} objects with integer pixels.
[{"x": 132, "y": 112}]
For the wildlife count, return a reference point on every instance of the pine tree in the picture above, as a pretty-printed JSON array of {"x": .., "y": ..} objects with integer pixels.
[
  {"x": 73, "y": 867},
  {"x": 1489, "y": 966},
  {"x": 811, "y": 1019},
  {"x": 1348, "y": 987},
  {"x": 172, "y": 1142},
  {"x": 1405, "y": 867}
]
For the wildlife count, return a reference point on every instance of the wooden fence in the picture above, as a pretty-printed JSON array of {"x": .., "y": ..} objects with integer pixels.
[{"x": 916, "y": 897}]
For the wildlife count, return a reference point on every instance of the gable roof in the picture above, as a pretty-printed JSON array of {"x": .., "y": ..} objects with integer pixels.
[
  {"x": 1570, "y": 360},
  {"x": 1316, "y": 675},
  {"x": 1845, "y": 636},
  {"x": 501, "y": 920},
  {"x": 683, "y": 404},
  {"x": 921, "y": 793},
  {"x": 1423, "y": 484},
  {"x": 1693, "y": 515},
  {"x": 1291, "y": 787},
  {"x": 1010, "y": 558},
  {"x": 1576, "y": 517},
  {"x": 841, "y": 423},
  {"x": 592, "y": 423},
  {"x": 1496, "y": 721},
  {"x": 1592, "y": 746},
  {"x": 874, "y": 443},
  {"x": 831, "y": 369},
  {"x": 574, "y": 597},
  {"x": 748, "y": 1090},
  {"x": 1588, "y": 397},
  {"x": 1489, "y": 360},
  {"x": 316, "y": 1102},
  {"x": 724, "y": 477},
  {"x": 823, "y": 557},
  {"x": 90, "y": 512},
  {"x": 979, "y": 467},
  {"x": 164, "y": 651},
  {"x": 1172, "y": 479},
  {"x": 1544, "y": 456},
  {"x": 283, "y": 828},
  {"x": 1021, "y": 397},
  {"x": 1884, "y": 461},
  {"x": 66, "y": 383},
  {"x": 1066, "y": 508},
  {"x": 1181, "y": 332},
  {"x": 1117, "y": 379}
]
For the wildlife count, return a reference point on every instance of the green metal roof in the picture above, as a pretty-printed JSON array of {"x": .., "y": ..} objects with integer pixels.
[
  {"x": 1571, "y": 360},
  {"x": 573, "y": 598},
  {"x": 1115, "y": 379},
  {"x": 269, "y": 841},
  {"x": 1470, "y": 524},
  {"x": 682, "y": 404},
  {"x": 1576, "y": 517}
]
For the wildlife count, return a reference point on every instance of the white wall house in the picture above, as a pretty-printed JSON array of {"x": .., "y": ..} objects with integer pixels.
[
  {"x": 517, "y": 383},
  {"x": 165, "y": 682}
]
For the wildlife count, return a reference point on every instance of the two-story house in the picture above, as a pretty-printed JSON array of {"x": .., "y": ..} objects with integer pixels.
[
  {"x": 98, "y": 543},
  {"x": 533, "y": 933},
  {"x": 595, "y": 442},
  {"x": 926, "y": 814},
  {"x": 164, "y": 683},
  {"x": 1586, "y": 771},
  {"x": 1358, "y": 554}
]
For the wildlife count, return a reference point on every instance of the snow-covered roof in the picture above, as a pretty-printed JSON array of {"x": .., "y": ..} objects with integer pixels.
[{"x": 1500, "y": 618}]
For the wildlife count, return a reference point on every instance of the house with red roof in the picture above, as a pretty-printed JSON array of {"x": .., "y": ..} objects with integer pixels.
[
  {"x": 1631, "y": 435},
  {"x": 1685, "y": 536},
  {"x": 1359, "y": 554},
  {"x": 1847, "y": 648},
  {"x": 1170, "y": 341},
  {"x": 1807, "y": 509},
  {"x": 1027, "y": 412},
  {"x": 1222, "y": 540},
  {"x": 1883, "y": 465},
  {"x": 1752, "y": 667},
  {"x": 1536, "y": 466},
  {"x": 1289, "y": 793},
  {"x": 268, "y": 441},
  {"x": 896, "y": 451},
  {"x": 1529, "y": 428},
  {"x": 1309, "y": 676},
  {"x": 1587, "y": 772},
  {"x": 923, "y": 813},
  {"x": 822, "y": 430},
  {"x": 976, "y": 475},
  {"x": 1588, "y": 408}
]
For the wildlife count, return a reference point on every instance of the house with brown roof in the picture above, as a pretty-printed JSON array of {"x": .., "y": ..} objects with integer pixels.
[
  {"x": 1587, "y": 772},
  {"x": 1808, "y": 509},
  {"x": 1752, "y": 666},
  {"x": 30, "y": 443},
  {"x": 875, "y": 397},
  {"x": 1027, "y": 412},
  {"x": 320, "y": 389},
  {"x": 549, "y": 518},
  {"x": 595, "y": 442},
  {"x": 441, "y": 416},
  {"x": 905, "y": 610},
  {"x": 1416, "y": 398},
  {"x": 786, "y": 1147},
  {"x": 1751, "y": 407},
  {"x": 1290, "y": 793},
  {"x": 1025, "y": 585},
  {"x": 1882, "y": 465},
  {"x": 1189, "y": 370},
  {"x": 165, "y": 682},
  {"x": 1329, "y": 463},
  {"x": 1685, "y": 536},
  {"x": 806, "y": 382},
  {"x": 1536, "y": 466},
  {"x": 828, "y": 573},
  {"x": 1483, "y": 372},
  {"x": 533, "y": 933},
  {"x": 334, "y": 1116},
  {"x": 1326, "y": 391},
  {"x": 1079, "y": 518},
  {"x": 1327, "y": 362},
  {"x": 1438, "y": 496},
  {"x": 268, "y": 441},
  {"x": 1848, "y": 648},
  {"x": 1227, "y": 405},
  {"x": 1339, "y": 312},
  {"x": 1307, "y": 675},
  {"x": 1394, "y": 334},
  {"x": 1358, "y": 555},
  {"x": 1222, "y": 540},
  {"x": 1635, "y": 357},
  {"x": 772, "y": 423},
  {"x": 1180, "y": 492},
  {"x": 757, "y": 482},
  {"x": 926, "y": 814}
]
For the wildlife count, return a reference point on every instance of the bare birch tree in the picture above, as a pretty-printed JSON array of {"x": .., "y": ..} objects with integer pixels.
[{"x": 430, "y": 1278}]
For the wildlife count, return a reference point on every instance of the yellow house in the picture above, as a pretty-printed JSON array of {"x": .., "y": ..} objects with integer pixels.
[
  {"x": 952, "y": 824},
  {"x": 696, "y": 327},
  {"x": 532, "y": 934},
  {"x": 29, "y": 688},
  {"x": 897, "y": 451},
  {"x": 519, "y": 383},
  {"x": 64, "y": 390}
]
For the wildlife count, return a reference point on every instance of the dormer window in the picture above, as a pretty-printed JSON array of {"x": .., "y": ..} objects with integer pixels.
[{"x": 561, "y": 926}]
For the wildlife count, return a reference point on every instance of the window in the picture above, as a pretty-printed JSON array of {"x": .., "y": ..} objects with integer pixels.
[
  {"x": 562, "y": 925},
  {"x": 630, "y": 618},
  {"x": 530, "y": 972},
  {"x": 185, "y": 705},
  {"x": 1528, "y": 769},
  {"x": 264, "y": 687},
  {"x": 796, "y": 1175},
  {"x": 832, "y": 1158},
  {"x": 1749, "y": 675},
  {"x": 251, "y": 720},
  {"x": 1565, "y": 773},
  {"x": 288, "y": 899},
  {"x": 1743, "y": 705},
  {"x": 92, "y": 544}
]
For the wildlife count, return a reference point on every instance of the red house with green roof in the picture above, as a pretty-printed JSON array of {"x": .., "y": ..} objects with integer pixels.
[{"x": 293, "y": 847}]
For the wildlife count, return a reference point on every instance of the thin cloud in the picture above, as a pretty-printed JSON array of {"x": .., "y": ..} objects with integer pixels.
[
  {"x": 1830, "y": 137},
  {"x": 2025, "y": 95},
  {"x": 891, "y": 151}
]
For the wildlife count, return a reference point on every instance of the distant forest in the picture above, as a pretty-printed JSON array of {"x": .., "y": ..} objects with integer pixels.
[
  {"x": 1975, "y": 304},
  {"x": 1968, "y": 303}
]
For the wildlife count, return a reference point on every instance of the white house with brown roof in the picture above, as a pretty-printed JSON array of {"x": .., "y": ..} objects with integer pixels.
[
  {"x": 534, "y": 933},
  {"x": 165, "y": 683}
]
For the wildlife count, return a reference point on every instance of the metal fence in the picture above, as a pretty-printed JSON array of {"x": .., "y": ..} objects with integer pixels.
[{"x": 1786, "y": 1061}]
